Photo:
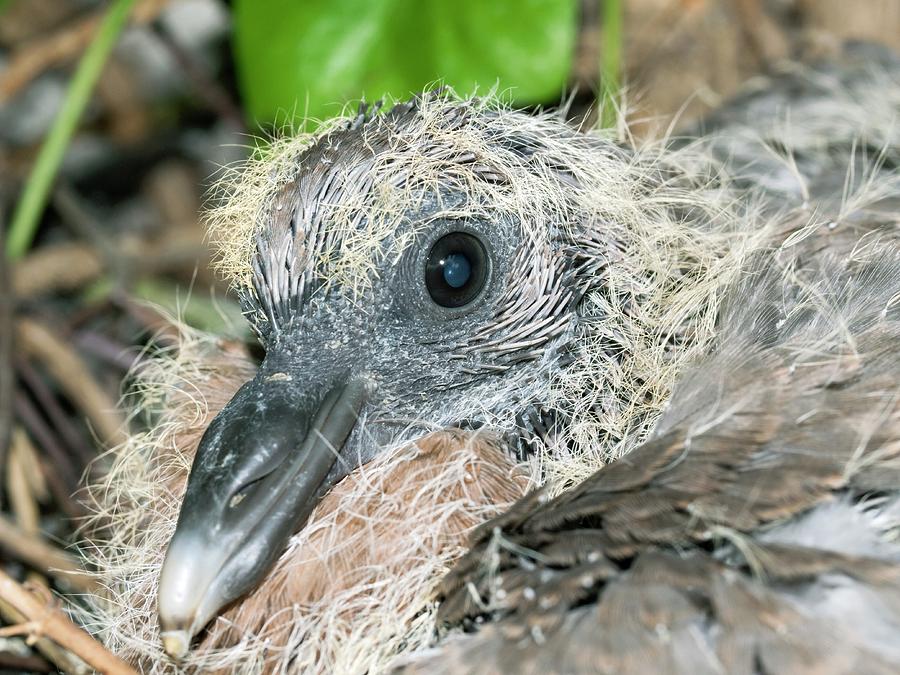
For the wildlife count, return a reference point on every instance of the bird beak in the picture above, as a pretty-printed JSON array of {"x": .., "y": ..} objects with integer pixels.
[{"x": 261, "y": 467}]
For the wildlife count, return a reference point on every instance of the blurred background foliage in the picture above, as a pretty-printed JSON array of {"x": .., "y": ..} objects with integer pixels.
[
  {"x": 117, "y": 116},
  {"x": 300, "y": 60}
]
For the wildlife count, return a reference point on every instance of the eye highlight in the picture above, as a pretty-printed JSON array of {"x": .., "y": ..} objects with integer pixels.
[{"x": 456, "y": 269}]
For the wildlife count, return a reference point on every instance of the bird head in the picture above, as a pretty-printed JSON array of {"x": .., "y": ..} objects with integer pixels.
[
  {"x": 448, "y": 263},
  {"x": 409, "y": 271}
]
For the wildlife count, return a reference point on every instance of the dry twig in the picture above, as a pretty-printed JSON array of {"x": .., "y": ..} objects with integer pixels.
[
  {"x": 51, "y": 622},
  {"x": 42, "y": 556},
  {"x": 60, "y": 472},
  {"x": 24, "y": 664},
  {"x": 56, "y": 267},
  {"x": 64, "y": 661},
  {"x": 74, "y": 379},
  {"x": 64, "y": 45},
  {"x": 19, "y": 484},
  {"x": 77, "y": 445},
  {"x": 7, "y": 378}
]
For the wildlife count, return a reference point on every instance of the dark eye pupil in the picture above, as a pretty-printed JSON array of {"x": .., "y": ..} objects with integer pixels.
[{"x": 456, "y": 269}]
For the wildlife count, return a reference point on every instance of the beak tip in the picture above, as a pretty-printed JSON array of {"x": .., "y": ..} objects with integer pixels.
[{"x": 176, "y": 643}]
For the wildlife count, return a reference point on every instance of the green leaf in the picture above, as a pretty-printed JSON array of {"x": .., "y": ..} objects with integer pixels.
[{"x": 307, "y": 58}]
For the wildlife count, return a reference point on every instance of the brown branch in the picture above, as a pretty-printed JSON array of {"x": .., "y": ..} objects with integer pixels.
[
  {"x": 62, "y": 46},
  {"x": 19, "y": 485},
  {"x": 24, "y": 664},
  {"x": 56, "y": 267},
  {"x": 30, "y": 466},
  {"x": 47, "y": 440},
  {"x": 45, "y": 52},
  {"x": 64, "y": 661},
  {"x": 61, "y": 423},
  {"x": 7, "y": 376},
  {"x": 49, "y": 559},
  {"x": 67, "y": 267},
  {"x": 74, "y": 378},
  {"x": 54, "y": 624},
  {"x": 22, "y": 497}
]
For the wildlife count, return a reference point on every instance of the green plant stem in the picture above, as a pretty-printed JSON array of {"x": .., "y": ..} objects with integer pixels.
[
  {"x": 610, "y": 61},
  {"x": 34, "y": 196}
]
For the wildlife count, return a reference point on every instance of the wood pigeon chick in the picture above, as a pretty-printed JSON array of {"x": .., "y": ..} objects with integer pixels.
[{"x": 694, "y": 345}]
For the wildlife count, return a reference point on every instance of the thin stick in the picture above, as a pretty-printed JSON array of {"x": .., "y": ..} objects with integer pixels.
[
  {"x": 42, "y": 556},
  {"x": 61, "y": 423},
  {"x": 34, "y": 197},
  {"x": 61, "y": 487},
  {"x": 38, "y": 55},
  {"x": 55, "y": 625},
  {"x": 68, "y": 369},
  {"x": 56, "y": 267},
  {"x": 30, "y": 61},
  {"x": 7, "y": 377},
  {"x": 64, "y": 660},
  {"x": 24, "y": 664},
  {"x": 22, "y": 501},
  {"x": 69, "y": 266},
  {"x": 48, "y": 442},
  {"x": 28, "y": 458},
  {"x": 24, "y": 504}
]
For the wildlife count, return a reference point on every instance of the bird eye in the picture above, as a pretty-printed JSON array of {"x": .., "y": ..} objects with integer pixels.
[{"x": 456, "y": 269}]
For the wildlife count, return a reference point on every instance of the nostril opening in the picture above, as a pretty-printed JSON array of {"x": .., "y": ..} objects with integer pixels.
[{"x": 246, "y": 490}]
